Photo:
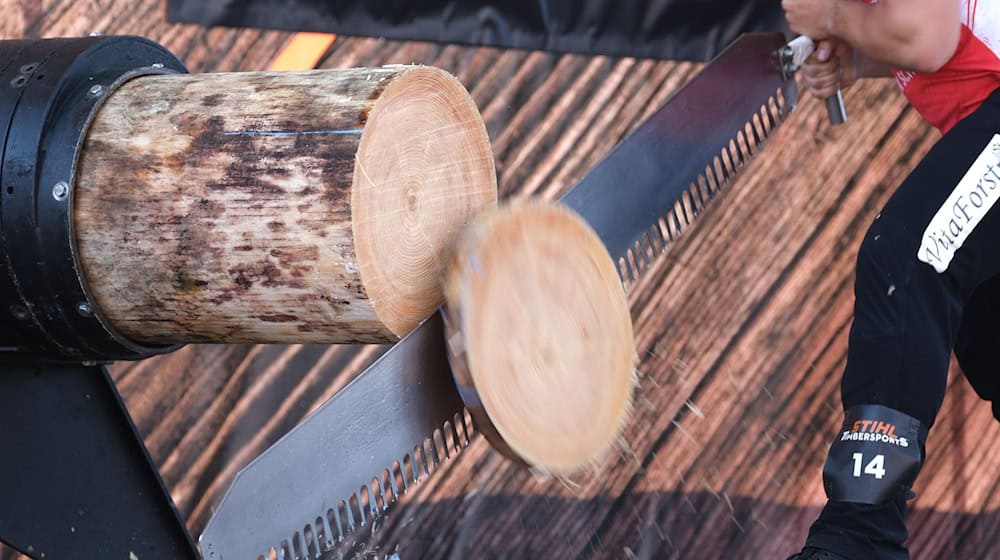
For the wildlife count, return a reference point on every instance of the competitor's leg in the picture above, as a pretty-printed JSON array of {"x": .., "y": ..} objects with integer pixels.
[
  {"x": 917, "y": 266},
  {"x": 978, "y": 337}
]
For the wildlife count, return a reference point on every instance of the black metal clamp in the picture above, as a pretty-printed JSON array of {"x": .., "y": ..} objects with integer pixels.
[
  {"x": 76, "y": 480},
  {"x": 50, "y": 90}
]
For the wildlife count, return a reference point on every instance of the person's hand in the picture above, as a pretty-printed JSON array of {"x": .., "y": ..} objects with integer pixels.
[
  {"x": 833, "y": 64},
  {"x": 812, "y": 18}
]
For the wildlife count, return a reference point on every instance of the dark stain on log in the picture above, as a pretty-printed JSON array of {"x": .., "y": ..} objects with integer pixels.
[
  {"x": 271, "y": 275},
  {"x": 206, "y": 139},
  {"x": 246, "y": 176},
  {"x": 213, "y": 100},
  {"x": 276, "y": 226},
  {"x": 266, "y": 273},
  {"x": 211, "y": 208},
  {"x": 337, "y": 173},
  {"x": 293, "y": 255},
  {"x": 356, "y": 288},
  {"x": 277, "y": 318},
  {"x": 223, "y": 296},
  {"x": 129, "y": 166},
  {"x": 241, "y": 279},
  {"x": 336, "y": 304},
  {"x": 184, "y": 283},
  {"x": 297, "y": 261},
  {"x": 360, "y": 331}
]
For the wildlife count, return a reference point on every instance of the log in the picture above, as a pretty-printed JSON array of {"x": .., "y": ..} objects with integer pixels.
[
  {"x": 278, "y": 207},
  {"x": 539, "y": 336}
]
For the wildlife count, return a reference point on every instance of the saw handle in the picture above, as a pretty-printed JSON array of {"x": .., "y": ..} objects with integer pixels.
[{"x": 836, "y": 109}]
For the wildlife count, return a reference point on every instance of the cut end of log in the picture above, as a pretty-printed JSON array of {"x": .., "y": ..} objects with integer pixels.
[
  {"x": 540, "y": 336},
  {"x": 424, "y": 169}
]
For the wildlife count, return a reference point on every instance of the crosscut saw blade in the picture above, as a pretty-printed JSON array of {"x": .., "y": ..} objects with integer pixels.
[{"x": 389, "y": 428}]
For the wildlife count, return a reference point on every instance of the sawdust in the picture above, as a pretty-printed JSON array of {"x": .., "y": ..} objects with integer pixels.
[{"x": 694, "y": 409}]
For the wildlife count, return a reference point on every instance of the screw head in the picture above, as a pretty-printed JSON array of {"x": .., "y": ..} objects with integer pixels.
[
  {"x": 83, "y": 308},
  {"x": 60, "y": 190},
  {"x": 158, "y": 65},
  {"x": 96, "y": 89}
]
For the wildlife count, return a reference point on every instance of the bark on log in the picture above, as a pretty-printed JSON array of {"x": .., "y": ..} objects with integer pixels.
[
  {"x": 284, "y": 207},
  {"x": 540, "y": 336}
]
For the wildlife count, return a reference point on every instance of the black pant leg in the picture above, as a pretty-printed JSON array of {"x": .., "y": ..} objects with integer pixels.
[
  {"x": 909, "y": 305},
  {"x": 978, "y": 340}
]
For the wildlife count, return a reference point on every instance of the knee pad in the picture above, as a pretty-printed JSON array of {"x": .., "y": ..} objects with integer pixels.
[{"x": 876, "y": 456}]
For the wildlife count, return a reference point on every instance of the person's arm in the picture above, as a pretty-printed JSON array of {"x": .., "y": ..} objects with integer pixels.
[
  {"x": 917, "y": 35},
  {"x": 866, "y": 67}
]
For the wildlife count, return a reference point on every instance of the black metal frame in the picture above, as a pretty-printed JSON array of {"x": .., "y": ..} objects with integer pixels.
[
  {"x": 76, "y": 480},
  {"x": 50, "y": 90}
]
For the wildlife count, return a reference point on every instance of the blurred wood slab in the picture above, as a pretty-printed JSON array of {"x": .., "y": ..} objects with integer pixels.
[{"x": 742, "y": 330}]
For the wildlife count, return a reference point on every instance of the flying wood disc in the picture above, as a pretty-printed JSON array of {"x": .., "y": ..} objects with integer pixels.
[{"x": 539, "y": 334}]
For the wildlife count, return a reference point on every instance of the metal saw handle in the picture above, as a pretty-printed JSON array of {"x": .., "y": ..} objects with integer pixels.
[{"x": 836, "y": 109}]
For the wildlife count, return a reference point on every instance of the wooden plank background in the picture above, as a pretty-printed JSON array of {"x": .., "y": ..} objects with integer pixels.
[{"x": 742, "y": 328}]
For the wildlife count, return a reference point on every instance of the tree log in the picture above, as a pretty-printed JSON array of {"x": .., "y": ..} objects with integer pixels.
[
  {"x": 278, "y": 207},
  {"x": 540, "y": 336}
]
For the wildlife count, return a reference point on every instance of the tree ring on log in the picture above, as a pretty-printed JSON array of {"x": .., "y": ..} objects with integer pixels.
[
  {"x": 424, "y": 169},
  {"x": 540, "y": 336}
]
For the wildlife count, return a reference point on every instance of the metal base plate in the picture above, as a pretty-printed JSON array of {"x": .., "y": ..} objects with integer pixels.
[{"x": 75, "y": 478}]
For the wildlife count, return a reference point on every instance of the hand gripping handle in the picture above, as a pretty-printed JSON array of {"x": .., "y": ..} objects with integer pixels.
[{"x": 801, "y": 48}]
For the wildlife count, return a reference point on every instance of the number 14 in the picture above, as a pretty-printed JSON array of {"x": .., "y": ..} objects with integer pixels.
[{"x": 876, "y": 466}]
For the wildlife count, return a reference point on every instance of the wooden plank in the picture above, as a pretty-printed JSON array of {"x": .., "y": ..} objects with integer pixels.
[
  {"x": 303, "y": 52},
  {"x": 742, "y": 328}
]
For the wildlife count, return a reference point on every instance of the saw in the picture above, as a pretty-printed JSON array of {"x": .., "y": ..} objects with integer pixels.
[{"x": 388, "y": 429}]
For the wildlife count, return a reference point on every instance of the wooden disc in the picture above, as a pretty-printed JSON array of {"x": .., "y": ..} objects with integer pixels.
[
  {"x": 540, "y": 336},
  {"x": 424, "y": 168}
]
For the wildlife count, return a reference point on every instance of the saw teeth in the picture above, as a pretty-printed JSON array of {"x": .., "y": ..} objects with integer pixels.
[
  {"x": 731, "y": 160},
  {"x": 373, "y": 500}
]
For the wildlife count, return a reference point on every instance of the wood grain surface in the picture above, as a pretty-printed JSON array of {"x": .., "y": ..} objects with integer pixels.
[
  {"x": 293, "y": 207},
  {"x": 741, "y": 329}
]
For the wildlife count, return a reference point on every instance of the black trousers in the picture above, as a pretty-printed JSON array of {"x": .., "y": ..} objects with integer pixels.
[{"x": 909, "y": 316}]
